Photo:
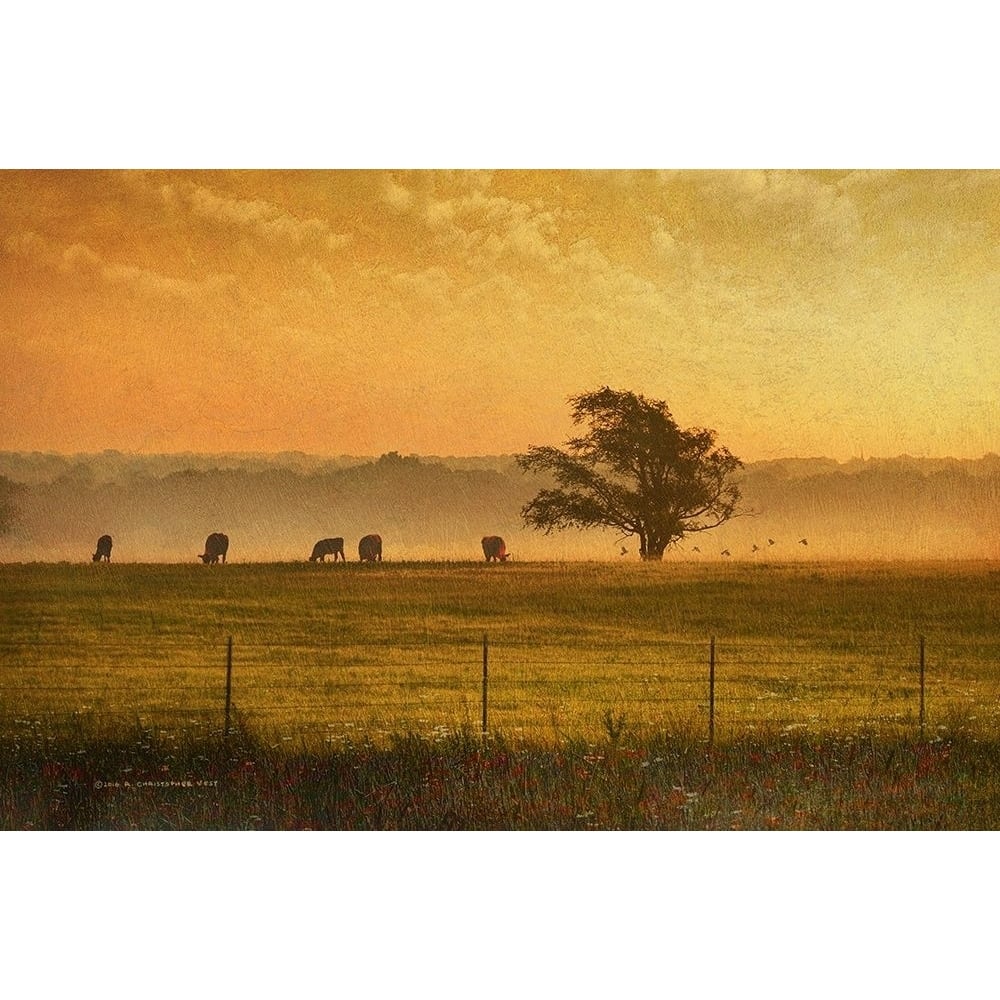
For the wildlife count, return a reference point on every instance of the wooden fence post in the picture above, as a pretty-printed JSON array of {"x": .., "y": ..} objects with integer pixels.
[
  {"x": 921, "y": 687},
  {"x": 229, "y": 684},
  {"x": 486, "y": 649},
  {"x": 711, "y": 691}
]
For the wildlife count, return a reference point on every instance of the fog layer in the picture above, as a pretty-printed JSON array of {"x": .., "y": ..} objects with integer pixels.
[{"x": 274, "y": 507}]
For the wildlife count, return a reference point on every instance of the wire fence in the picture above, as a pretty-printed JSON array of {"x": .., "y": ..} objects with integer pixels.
[{"x": 337, "y": 690}]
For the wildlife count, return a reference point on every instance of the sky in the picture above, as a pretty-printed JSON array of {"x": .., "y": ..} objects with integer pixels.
[{"x": 441, "y": 312}]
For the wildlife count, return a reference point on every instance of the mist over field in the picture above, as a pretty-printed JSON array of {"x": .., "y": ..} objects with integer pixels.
[{"x": 160, "y": 508}]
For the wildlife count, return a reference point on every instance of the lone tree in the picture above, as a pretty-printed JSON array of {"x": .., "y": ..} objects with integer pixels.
[{"x": 634, "y": 470}]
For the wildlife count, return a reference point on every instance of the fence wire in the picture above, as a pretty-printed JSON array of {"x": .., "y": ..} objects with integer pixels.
[{"x": 341, "y": 690}]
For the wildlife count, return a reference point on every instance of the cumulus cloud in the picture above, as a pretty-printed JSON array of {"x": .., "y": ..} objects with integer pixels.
[
  {"x": 42, "y": 251},
  {"x": 26, "y": 245},
  {"x": 79, "y": 257},
  {"x": 80, "y": 260},
  {"x": 486, "y": 227},
  {"x": 432, "y": 285},
  {"x": 785, "y": 207},
  {"x": 255, "y": 215},
  {"x": 663, "y": 240},
  {"x": 396, "y": 196},
  {"x": 153, "y": 283},
  {"x": 319, "y": 278}
]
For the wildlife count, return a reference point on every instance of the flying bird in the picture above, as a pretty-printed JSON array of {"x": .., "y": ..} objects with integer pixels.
[
  {"x": 770, "y": 541},
  {"x": 695, "y": 549},
  {"x": 624, "y": 551},
  {"x": 756, "y": 548},
  {"x": 725, "y": 552},
  {"x": 802, "y": 541}
]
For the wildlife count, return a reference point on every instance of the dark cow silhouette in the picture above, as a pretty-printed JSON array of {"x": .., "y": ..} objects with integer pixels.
[
  {"x": 370, "y": 548},
  {"x": 216, "y": 547},
  {"x": 494, "y": 548},
  {"x": 103, "y": 549},
  {"x": 328, "y": 547}
]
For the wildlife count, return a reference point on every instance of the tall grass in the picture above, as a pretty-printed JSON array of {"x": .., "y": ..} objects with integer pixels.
[{"x": 460, "y": 781}]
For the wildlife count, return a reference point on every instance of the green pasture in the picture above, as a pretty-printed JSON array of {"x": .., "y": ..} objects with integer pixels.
[{"x": 337, "y": 653}]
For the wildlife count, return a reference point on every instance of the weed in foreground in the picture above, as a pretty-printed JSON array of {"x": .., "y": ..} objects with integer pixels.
[{"x": 460, "y": 780}]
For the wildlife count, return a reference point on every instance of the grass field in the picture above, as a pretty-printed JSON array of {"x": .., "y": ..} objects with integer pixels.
[
  {"x": 328, "y": 652},
  {"x": 357, "y": 696}
]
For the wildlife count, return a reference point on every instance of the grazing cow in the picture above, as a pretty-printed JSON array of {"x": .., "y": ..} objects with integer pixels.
[
  {"x": 328, "y": 547},
  {"x": 103, "y": 549},
  {"x": 370, "y": 548},
  {"x": 216, "y": 547},
  {"x": 494, "y": 548}
]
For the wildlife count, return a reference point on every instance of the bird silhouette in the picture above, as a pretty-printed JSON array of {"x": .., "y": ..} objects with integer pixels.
[
  {"x": 624, "y": 551},
  {"x": 756, "y": 548},
  {"x": 770, "y": 541},
  {"x": 725, "y": 552},
  {"x": 802, "y": 541},
  {"x": 696, "y": 549}
]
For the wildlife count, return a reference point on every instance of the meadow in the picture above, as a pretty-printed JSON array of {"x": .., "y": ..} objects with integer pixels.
[{"x": 598, "y": 695}]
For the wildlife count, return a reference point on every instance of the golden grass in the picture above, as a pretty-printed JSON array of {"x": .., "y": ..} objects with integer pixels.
[{"x": 335, "y": 653}]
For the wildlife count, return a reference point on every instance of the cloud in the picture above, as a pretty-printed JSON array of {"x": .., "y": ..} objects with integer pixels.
[
  {"x": 797, "y": 210},
  {"x": 396, "y": 196},
  {"x": 433, "y": 284},
  {"x": 257, "y": 216},
  {"x": 152, "y": 283},
  {"x": 663, "y": 240},
  {"x": 487, "y": 228},
  {"x": 79, "y": 257},
  {"x": 614, "y": 288},
  {"x": 82, "y": 261},
  {"x": 320, "y": 279},
  {"x": 26, "y": 245},
  {"x": 43, "y": 252},
  {"x": 732, "y": 293}
]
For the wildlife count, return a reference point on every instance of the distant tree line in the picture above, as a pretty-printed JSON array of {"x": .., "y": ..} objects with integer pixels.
[
  {"x": 157, "y": 507},
  {"x": 8, "y": 510},
  {"x": 412, "y": 502}
]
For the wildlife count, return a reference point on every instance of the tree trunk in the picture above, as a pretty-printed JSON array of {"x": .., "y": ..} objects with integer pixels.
[{"x": 653, "y": 546}]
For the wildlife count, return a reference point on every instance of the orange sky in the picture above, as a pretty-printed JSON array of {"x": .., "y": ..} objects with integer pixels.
[{"x": 357, "y": 312}]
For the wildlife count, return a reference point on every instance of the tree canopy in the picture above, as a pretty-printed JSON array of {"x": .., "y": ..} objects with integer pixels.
[{"x": 636, "y": 470}]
